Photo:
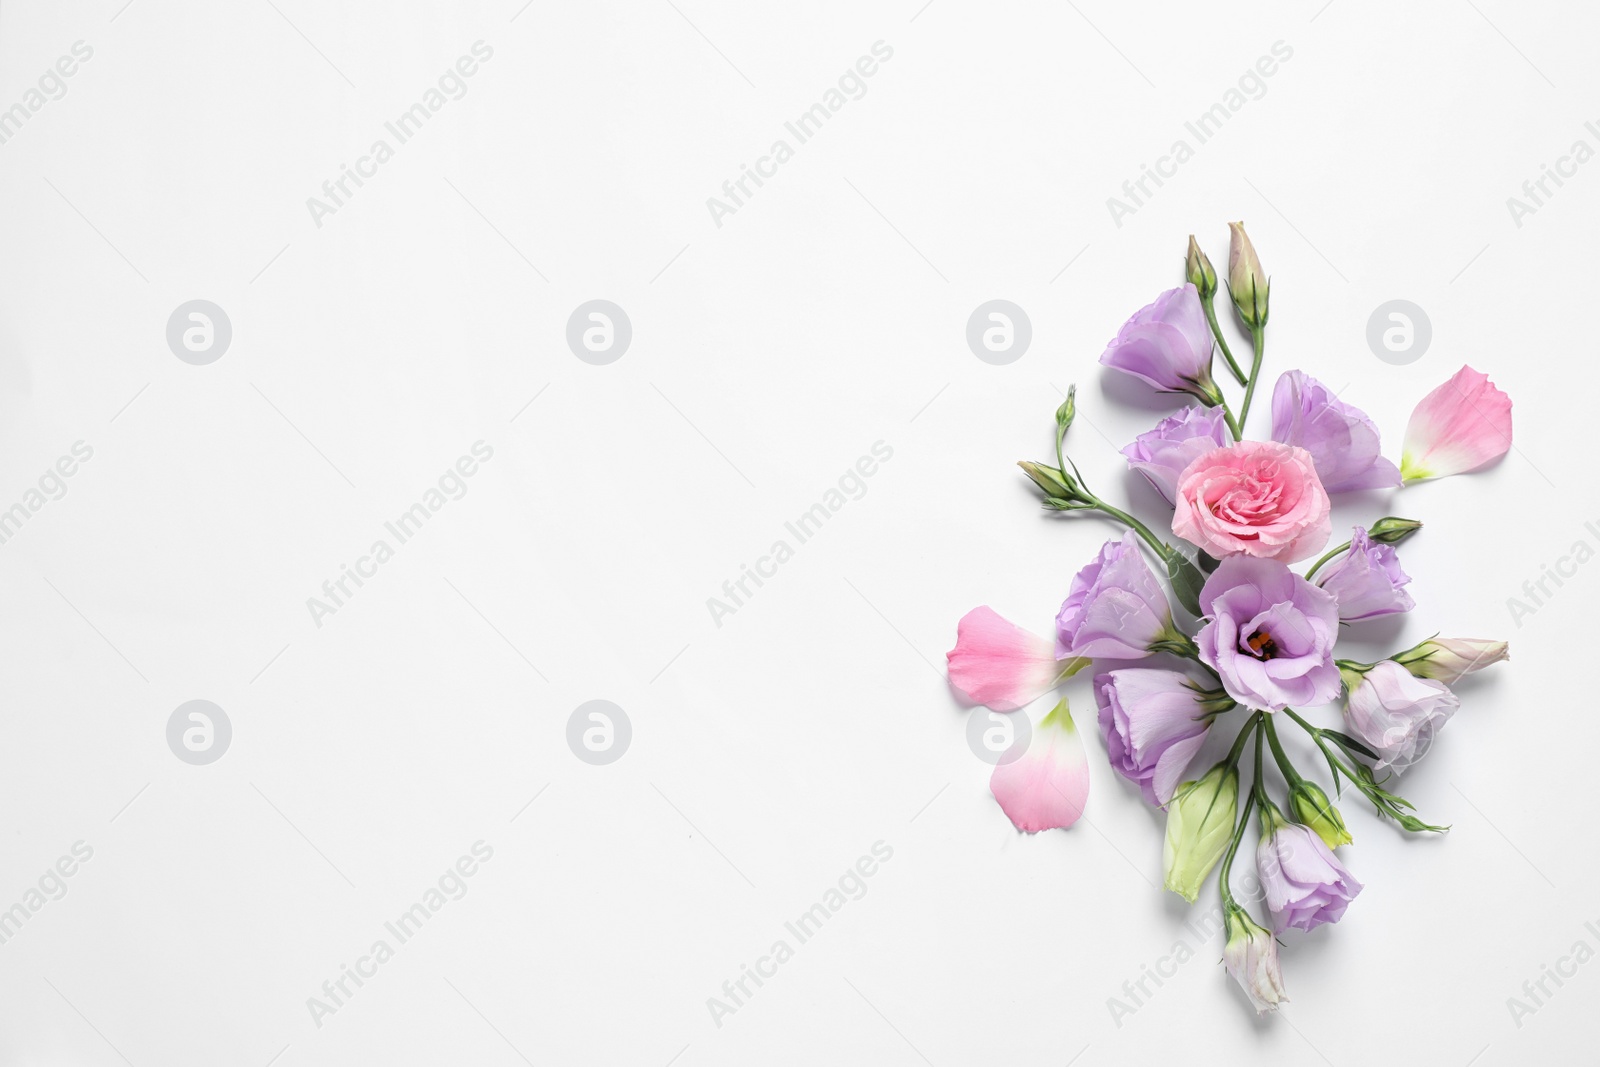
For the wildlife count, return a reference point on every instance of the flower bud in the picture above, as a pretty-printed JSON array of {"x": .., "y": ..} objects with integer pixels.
[
  {"x": 1312, "y": 808},
  {"x": 1198, "y": 270},
  {"x": 1055, "y": 484},
  {"x": 1447, "y": 659},
  {"x": 1199, "y": 829},
  {"x": 1068, "y": 409},
  {"x": 1251, "y": 956},
  {"x": 1247, "y": 282},
  {"x": 1391, "y": 529}
]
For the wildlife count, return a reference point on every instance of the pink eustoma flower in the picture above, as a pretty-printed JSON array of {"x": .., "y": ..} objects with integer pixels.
[
  {"x": 1047, "y": 786},
  {"x": 1000, "y": 665},
  {"x": 1460, "y": 426},
  {"x": 1254, "y": 498}
]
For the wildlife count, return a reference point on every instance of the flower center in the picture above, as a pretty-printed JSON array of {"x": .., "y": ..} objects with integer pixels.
[{"x": 1262, "y": 646}]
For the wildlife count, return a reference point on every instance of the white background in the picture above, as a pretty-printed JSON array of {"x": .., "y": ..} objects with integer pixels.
[{"x": 827, "y": 314}]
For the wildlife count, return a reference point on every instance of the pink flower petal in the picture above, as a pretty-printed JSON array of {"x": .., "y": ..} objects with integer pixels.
[
  {"x": 1458, "y": 427},
  {"x": 1047, "y": 786},
  {"x": 999, "y": 664}
]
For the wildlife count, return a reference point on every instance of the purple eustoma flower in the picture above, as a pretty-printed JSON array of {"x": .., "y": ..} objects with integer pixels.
[
  {"x": 1303, "y": 882},
  {"x": 1115, "y": 607},
  {"x": 1395, "y": 713},
  {"x": 1269, "y": 634},
  {"x": 1367, "y": 580},
  {"x": 1153, "y": 722},
  {"x": 1168, "y": 344},
  {"x": 1342, "y": 441},
  {"x": 1162, "y": 453}
]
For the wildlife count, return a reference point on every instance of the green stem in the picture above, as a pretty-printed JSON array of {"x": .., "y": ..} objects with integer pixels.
[
  {"x": 1216, "y": 331},
  {"x": 1259, "y": 786},
  {"x": 1329, "y": 555},
  {"x": 1258, "y": 336},
  {"x": 1133, "y": 524},
  {"x": 1289, "y": 773}
]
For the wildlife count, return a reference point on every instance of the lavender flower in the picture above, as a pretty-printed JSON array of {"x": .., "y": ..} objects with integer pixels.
[
  {"x": 1394, "y": 712},
  {"x": 1115, "y": 608},
  {"x": 1342, "y": 441},
  {"x": 1161, "y": 454},
  {"x": 1367, "y": 580},
  {"x": 1168, "y": 344},
  {"x": 1269, "y": 634},
  {"x": 1154, "y": 723},
  {"x": 1305, "y": 885}
]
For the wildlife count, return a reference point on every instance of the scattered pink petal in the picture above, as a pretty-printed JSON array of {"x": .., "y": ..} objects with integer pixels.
[
  {"x": 999, "y": 664},
  {"x": 1458, "y": 427},
  {"x": 1047, "y": 786}
]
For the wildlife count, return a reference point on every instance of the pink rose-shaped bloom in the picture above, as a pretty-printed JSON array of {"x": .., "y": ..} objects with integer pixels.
[
  {"x": 1460, "y": 426},
  {"x": 1342, "y": 441},
  {"x": 1115, "y": 607},
  {"x": 1258, "y": 498},
  {"x": 1367, "y": 580},
  {"x": 1304, "y": 883},
  {"x": 1153, "y": 724},
  {"x": 1396, "y": 713},
  {"x": 1048, "y": 785},
  {"x": 1167, "y": 343},
  {"x": 998, "y": 664},
  {"x": 1269, "y": 635},
  {"x": 1163, "y": 453}
]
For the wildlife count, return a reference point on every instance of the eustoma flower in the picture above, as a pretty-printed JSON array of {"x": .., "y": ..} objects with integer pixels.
[
  {"x": 1000, "y": 665},
  {"x": 1251, "y": 954},
  {"x": 1115, "y": 608},
  {"x": 1269, "y": 635},
  {"x": 1154, "y": 722},
  {"x": 1394, "y": 712},
  {"x": 1167, "y": 343},
  {"x": 1449, "y": 659},
  {"x": 1460, "y": 426},
  {"x": 1342, "y": 441},
  {"x": 1367, "y": 580},
  {"x": 1305, "y": 885},
  {"x": 1162, "y": 453},
  {"x": 1258, "y": 498},
  {"x": 1047, "y": 786},
  {"x": 1199, "y": 827}
]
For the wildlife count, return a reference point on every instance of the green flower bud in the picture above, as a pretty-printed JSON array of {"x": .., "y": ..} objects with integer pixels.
[
  {"x": 1199, "y": 829},
  {"x": 1068, "y": 409},
  {"x": 1197, "y": 269},
  {"x": 1054, "y": 483},
  {"x": 1247, "y": 282},
  {"x": 1391, "y": 530},
  {"x": 1313, "y": 809}
]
